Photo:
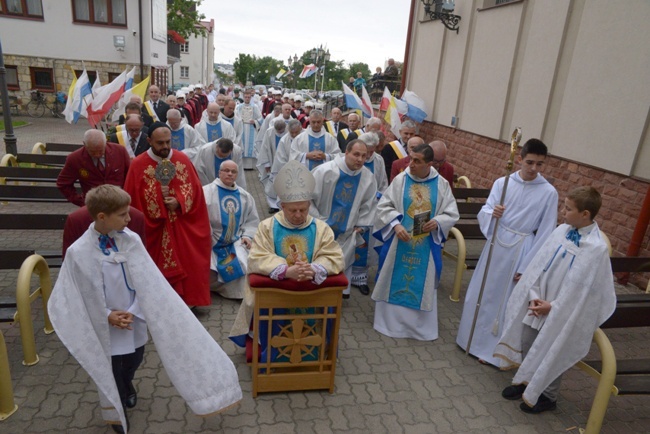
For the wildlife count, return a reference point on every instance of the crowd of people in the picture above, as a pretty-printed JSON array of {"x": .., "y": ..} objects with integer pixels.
[{"x": 342, "y": 197}]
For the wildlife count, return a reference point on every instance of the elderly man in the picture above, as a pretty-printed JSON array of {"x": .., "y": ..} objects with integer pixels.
[
  {"x": 156, "y": 107},
  {"x": 95, "y": 164},
  {"x": 203, "y": 99},
  {"x": 184, "y": 137},
  {"x": 284, "y": 147},
  {"x": 397, "y": 148},
  {"x": 228, "y": 114},
  {"x": 251, "y": 117},
  {"x": 403, "y": 163},
  {"x": 413, "y": 218},
  {"x": 213, "y": 128},
  {"x": 440, "y": 162},
  {"x": 265, "y": 158},
  {"x": 164, "y": 186},
  {"x": 221, "y": 100},
  {"x": 210, "y": 156},
  {"x": 289, "y": 245},
  {"x": 336, "y": 124},
  {"x": 353, "y": 129},
  {"x": 234, "y": 221},
  {"x": 344, "y": 198},
  {"x": 314, "y": 146},
  {"x": 133, "y": 136}
]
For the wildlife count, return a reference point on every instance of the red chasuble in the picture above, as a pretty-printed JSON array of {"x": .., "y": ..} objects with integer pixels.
[{"x": 178, "y": 241}]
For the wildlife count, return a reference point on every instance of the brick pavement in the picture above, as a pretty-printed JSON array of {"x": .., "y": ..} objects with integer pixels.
[{"x": 383, "y": 385}]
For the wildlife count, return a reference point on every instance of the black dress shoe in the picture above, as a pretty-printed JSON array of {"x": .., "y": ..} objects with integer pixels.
[
  {"x": 364, "y": 289},
  {"x": 346, "y": 296},
  {"x": 131, "y": 396},
  {"x": 118, "y": 427},
  {"x": 513, "y": 392},
  {"x": 543, "y": 404}
]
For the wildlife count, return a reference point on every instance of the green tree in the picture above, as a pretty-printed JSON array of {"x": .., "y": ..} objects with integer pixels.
[
  {"x": 244, "y": 65},
  {"x": 183, "y": 17},
  {"x": 358, "y": 67}
]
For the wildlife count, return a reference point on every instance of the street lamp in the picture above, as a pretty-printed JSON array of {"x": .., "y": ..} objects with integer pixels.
[
  {"x": 293, "y": 62},
  {"x": 320, "y": 58}
]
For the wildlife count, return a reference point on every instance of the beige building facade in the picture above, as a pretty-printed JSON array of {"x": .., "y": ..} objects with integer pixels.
[
  {"x": 574, "y": 73},
  {"x": 43, "y": 39}
]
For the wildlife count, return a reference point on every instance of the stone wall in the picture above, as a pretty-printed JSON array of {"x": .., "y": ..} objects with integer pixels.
[{"x": 62, "y": 74}]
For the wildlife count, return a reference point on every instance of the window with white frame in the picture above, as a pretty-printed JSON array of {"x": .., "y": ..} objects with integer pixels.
[
  {"x": 100, "y": 12},
  {"x": 185, "y": 72},
  {"x": 185, "y": 48}
]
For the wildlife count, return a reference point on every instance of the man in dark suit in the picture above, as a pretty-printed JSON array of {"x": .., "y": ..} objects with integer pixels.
[
  {"x": 134, "y": 135},
  {"x": 156, "y": 107},
  {"x": 95, "y": 164},
  {"x": 134, "y": 107}
]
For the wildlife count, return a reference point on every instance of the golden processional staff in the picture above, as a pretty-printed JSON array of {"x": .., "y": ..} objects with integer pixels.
[{"x": 514, "y": 143}]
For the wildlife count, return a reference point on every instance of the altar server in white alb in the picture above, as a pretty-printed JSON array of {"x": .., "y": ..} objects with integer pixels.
[
  {"x": 344, "y": 198},
  {"x": 251, "y": 117},
  {"x": 314, "y": 146},
  {"x": 265, "y": 158},
  {"x": 413, "y": 219},
  {"x": 213, "y": 128},
  {"x": 184, "y": 137},
  {"x": 528, "y": 216},
  {"x": 108, "y": 293},
  {"x": 566, "y": 292},
  {"x": 234, "y": 220}
]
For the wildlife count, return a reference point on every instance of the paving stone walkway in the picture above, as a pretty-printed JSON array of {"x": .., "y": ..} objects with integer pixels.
[{"x": 383, "y": 385}]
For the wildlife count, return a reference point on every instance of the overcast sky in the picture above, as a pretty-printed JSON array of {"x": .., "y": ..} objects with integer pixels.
[{"x": 369, "y": 31}]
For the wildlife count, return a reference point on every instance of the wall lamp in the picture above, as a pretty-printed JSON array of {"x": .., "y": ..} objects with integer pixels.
[{"x": 442, "y": 10}]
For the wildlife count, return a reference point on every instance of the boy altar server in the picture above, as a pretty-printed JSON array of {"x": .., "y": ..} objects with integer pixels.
[
  {"x": 566, "y": 292},
  {"x": 108, "y": 293}
]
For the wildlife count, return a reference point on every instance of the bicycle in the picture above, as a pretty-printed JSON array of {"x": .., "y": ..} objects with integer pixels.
[{"x": 38, "y": 103}]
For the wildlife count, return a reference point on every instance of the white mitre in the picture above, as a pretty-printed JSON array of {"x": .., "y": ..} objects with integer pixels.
[{"x": 294, "y": 183}]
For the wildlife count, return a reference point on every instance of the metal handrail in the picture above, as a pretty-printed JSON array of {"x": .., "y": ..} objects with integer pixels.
[
  {"x": 24, "y": 299},
  {"x": 7, "y": 404}
]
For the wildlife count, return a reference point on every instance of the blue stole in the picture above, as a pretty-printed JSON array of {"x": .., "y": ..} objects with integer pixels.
[
  {"x": 230, "y": 121},
  {"x": 361, "y": 252},
  {"x": 178, "y": 139},
  {"x": 217, "y": 164},
  {"x": 214, "y": 131},
  {"x": 277, "y": 141},
  {"x": 249, "y": 137},
  {"x": 344, "y": 193},
  {"x": 412, "y": 258},
  {"x": 228, "y": 266},
  {"x": 370, "y": 165},
  {"x": 316, "y": 144}
]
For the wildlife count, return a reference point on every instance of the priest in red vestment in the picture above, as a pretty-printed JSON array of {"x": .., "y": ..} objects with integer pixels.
[{"x": 165, "y": 187}]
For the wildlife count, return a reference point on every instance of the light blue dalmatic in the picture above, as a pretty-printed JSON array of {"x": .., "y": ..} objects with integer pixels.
[
  {"x": 214, "y": 131},
  {"x": 412, "y": 258},
  {"x": 228, "y": 266},
  {"x": 178, "y": 140},
  {"x": 316, "y": 144},
  {"x": 344, "y": 194}
]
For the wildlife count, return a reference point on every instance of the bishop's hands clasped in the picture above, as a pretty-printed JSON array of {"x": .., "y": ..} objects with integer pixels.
[
  {"x": 170, "y": 201},
  {"x": 301, "y": 271}
]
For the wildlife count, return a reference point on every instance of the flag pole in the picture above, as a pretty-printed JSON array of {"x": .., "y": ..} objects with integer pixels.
[{"x": 514, "y": 143}]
